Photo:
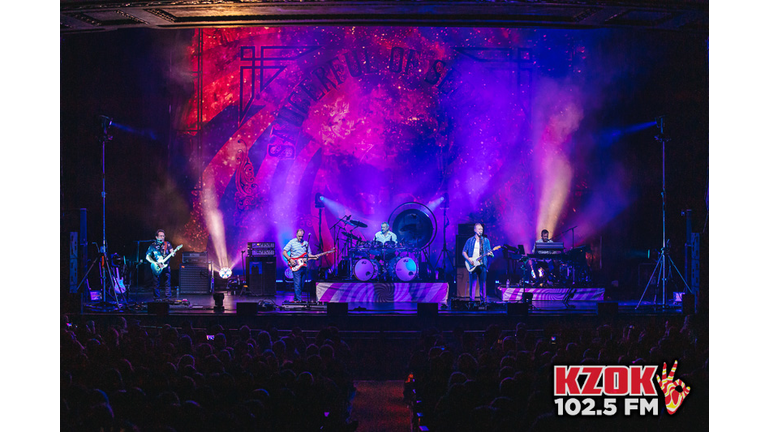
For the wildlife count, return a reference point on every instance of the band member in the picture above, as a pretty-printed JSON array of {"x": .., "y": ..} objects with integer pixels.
[
  {"x": 476, "y": 251},
  {"x": 296, "y": 248},
  {"x": 544, "y": 239},
  {"x": 542, "y": 268},
  {"x": 161, "y": 271},
  {"x": 385, "y": 235}
]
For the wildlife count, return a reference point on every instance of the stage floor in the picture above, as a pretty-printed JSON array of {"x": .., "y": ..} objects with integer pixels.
[{"x": 281, "y": 303}]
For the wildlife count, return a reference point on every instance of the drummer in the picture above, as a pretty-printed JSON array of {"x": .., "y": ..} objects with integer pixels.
[
  {"x": 385, "y": 235},
  {"x": 386, "y": 240}
]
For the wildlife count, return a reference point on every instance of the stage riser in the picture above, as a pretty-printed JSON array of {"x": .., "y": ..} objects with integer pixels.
[
  {"x": 551, "y": 294},
  {"x": 357, "y": 292}
]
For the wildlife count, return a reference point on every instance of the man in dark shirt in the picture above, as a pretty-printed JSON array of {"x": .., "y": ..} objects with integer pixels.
[
  {"x": 476, "y": 251},
  {"x": 161, "y": 271}
]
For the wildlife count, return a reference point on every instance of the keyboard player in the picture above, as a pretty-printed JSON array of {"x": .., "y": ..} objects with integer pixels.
[
  {"x": 542, "y": 270},
  {"x": 544, "y": 239}
]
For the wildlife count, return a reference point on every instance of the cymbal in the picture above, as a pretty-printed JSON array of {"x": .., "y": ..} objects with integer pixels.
[
  {"x": 358, "y": 224},
  {"x": 350, "y": 235}
]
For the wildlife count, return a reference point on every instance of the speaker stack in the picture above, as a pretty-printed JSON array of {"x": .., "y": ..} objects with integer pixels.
[
  {"x": 194, "y": 273},
  {"x": 262, "y": 268}
]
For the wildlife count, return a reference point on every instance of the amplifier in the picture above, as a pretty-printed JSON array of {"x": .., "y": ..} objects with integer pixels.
[
  {"x": 259, "y": 249},
  {"x": 261, "y": 252},
  {"x": 261, "y": 245},
  {"x": 262, "y": 276},
  {"x": 194, "y": 257},
  {"x": 194, "y": 279}
]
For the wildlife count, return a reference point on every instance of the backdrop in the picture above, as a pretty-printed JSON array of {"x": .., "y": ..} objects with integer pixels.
[{"x": 226, "y": 136}]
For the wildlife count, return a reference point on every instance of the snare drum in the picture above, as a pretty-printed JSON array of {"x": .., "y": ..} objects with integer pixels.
[
  {"x": 403, "y": 269},
  {"x": 365, "y": 270}
]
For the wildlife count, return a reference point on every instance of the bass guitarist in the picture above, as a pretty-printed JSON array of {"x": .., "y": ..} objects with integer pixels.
[
  {"x": 476, "y": 251},
  {"x": 296, "y": 248},
  {"x": 157, "y": 255}
]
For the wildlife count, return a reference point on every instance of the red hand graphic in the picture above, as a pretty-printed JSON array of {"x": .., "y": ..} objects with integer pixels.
[{"x": 673, "y": 398}]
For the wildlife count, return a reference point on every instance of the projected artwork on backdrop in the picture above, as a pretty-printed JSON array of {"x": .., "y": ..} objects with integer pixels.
[{"x": 317, "y": 128}]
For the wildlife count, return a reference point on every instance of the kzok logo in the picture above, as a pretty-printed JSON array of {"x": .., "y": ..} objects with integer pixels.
[{"x": 633, "y": 383}]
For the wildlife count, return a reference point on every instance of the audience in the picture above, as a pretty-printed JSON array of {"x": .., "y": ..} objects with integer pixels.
[
  {"x": 129, "y": 377},
  {"x": 504, "y": 381},
  {"x": 133, "y": 378}
]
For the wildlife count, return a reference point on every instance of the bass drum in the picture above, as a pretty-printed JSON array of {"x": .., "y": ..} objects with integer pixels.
[
  {"x": 365, "y": 270},
  {"x": 403, "y": 269}
]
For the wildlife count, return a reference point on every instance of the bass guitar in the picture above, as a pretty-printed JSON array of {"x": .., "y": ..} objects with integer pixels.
[
  {"x": 472, "y": 267},
  {"x": 160, "y": 264},
  {"x": 295, "y": 263}
]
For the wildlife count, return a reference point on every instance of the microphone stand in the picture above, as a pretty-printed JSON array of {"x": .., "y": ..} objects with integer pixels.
[
  {"x": 573, "y": 235},
  {"x": 572, "y": 267}
]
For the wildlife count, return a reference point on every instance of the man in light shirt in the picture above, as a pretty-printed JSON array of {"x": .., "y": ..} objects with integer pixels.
[
  {"x": 296, "y": 248},
  {"x": 385, "y": 235}
]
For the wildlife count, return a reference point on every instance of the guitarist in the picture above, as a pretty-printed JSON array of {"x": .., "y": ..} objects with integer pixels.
[
  {"x": 159, "y": 250},
  {"x": 295, "y": 248},
  {"x": 476, "y": 251}
]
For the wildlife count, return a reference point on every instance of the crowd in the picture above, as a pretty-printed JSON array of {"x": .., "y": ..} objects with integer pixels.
[
  {"x": 129, "y": 377},
  {"x": 503, "y": 381}
]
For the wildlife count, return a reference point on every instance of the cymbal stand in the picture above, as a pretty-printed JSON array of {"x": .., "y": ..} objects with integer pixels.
[
  {"x": 335, "y": 230},
  {"x": 444, "y": 252}
]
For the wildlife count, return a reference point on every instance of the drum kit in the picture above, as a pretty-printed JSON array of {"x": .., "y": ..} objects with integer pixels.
[{"x": 374, "y": 261}]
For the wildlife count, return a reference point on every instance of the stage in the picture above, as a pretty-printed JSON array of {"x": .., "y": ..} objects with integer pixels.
[{"x": 367, "y": 312}]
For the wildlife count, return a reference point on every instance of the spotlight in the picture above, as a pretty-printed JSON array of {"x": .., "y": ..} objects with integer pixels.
[
  {"x": 319, "y": 198},
  {"x": 445, "y": 203},
  {"x": 218, "y": 301},
  {"x": 225, "y": 272}
]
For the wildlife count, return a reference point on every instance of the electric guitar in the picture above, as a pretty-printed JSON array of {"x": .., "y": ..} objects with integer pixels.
[
  {"x": 471, "y": 267},
  {"x": 118, "y": 283},
  {"x": 160, "y": 264},
  {"x": 295, "y": 263}
]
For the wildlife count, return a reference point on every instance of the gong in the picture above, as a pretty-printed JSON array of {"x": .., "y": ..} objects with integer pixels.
[{"x": 414, "y": 223}]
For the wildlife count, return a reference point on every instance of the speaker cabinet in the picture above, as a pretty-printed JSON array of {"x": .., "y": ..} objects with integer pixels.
[
  {"x": 517, "y": 309},
  {"x": 247, "y": 308},
  {"x": 158, "y": 308},
  {"x": 426, "y": 311},
  {"x": 262, "y": 276},
  {"x": 462, "y": 281},
  {"x": 689, "y": 304},
  {"x": 194, "y": 280},
  {"x": 607, "y": 309},
  {"x": 337, "y": 309}
]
